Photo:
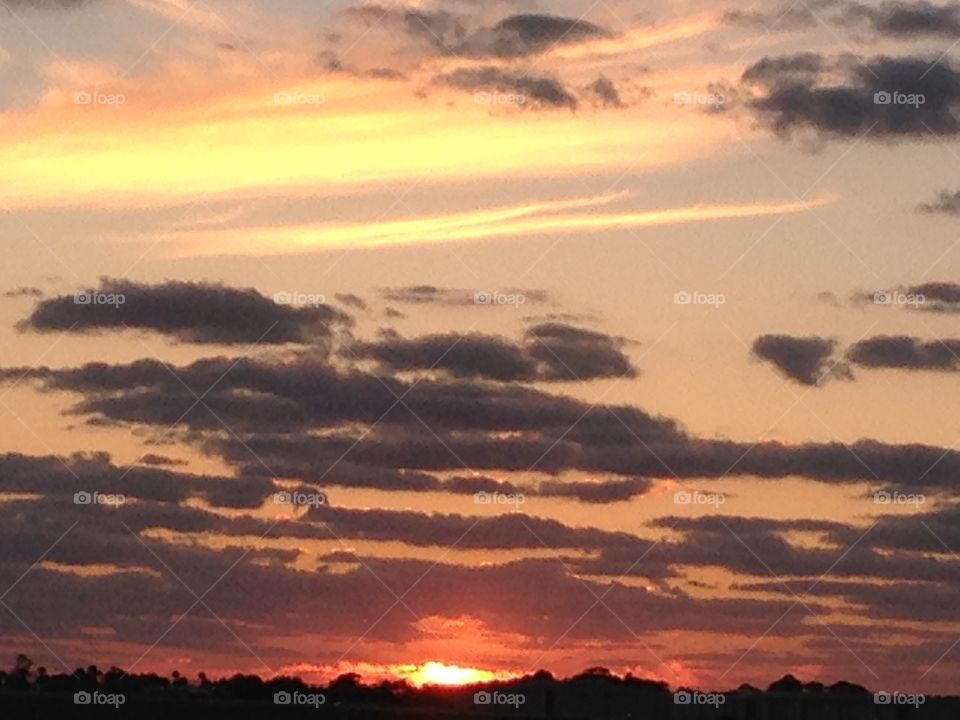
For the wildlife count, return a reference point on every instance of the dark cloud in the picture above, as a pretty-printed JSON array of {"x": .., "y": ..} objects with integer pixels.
[
  {"x": 906, "y": 353},
  {"x": 460, "y": 355},
  {"x": 898, "y": 19},
  {"x": 603, "y": 492},
  {"x": 529, "y": 34},
  {"x": 552, "y": 351},
  {"x": 607, "y": 491},
  {"x": 921, "y": 533},
  {"x": 535, "y": 91},
  {"x": 449, "y": 33},
  {"x": 562, "y": 317},
  {"x": 192, "y": 312},
  {"x": 806, "y": 360},
  {"x": 430, "y": 33},
  {"x": 64, "y": 476},
  {"x": 616, "y": 451},
  {"x": 916, "y": 601},
  {"x": 908, "y": 19},
  {"x": 136, "y": 601},
  {"x": 303, "y": 417},
  {"x": 572, "y": 353},
  {"x": 430, "y": 294},
  {"x": 782, "y": 17},
  {"x": 351, "y": 300},
  {"x": 890, "y": 548},
  {"x": 266, "y": 397},
  {"x": 437, "y": 28},
  {"x": 607, "y": 92},
  {"x": 19, "y": 292},
  {"x": 938, "y": 296},
  {"x": 941, "y": 297},
  {"x": 888, "y": 96},
  {"x": 333, "y": 63},
  {"x": 160, "y": 460},
  {"x": 472, "y": 484},
  {"x": 800, "y": 67},
  {"x": 507, "y": 531},
  {"x": 947, "y": 203}
]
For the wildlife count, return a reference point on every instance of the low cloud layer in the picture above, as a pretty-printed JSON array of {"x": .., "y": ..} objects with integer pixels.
[
  {"x": 906, "y": 353},
  {"x": 889, "y": 97},
  {"x": 458, "y": 297},
  {"x": 898, "y": 19},
  {"x": 908, "y": 19},
  {"x": 942, "y": 297},
  {"x": 947, "y": 203},
  {"x": 301, "y": 418},
  {"x": 452, "y": 33},
  {"x": 550, "y": 352},
  {"x": 806, "y": 360},
  {"x": 492, "y": 53},
  {"x": 191, "y": 312},
  {"x": 531, "y": 34},
  {"x": 500, "y": 455},
  {"x": 532, "y": 90}
]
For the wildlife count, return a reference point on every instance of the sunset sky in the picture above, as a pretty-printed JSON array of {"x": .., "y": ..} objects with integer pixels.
[{"x": 451, "y": 340}]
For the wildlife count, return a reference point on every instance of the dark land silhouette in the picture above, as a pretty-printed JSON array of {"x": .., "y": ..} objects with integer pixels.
[{"x": 595, "y": 694}]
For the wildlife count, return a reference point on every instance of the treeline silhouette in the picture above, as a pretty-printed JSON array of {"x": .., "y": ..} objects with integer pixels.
[{"x": 595, "y": 694}]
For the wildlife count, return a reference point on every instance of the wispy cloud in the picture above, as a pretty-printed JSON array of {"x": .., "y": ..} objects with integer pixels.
[{"x": 517, "y": 221}]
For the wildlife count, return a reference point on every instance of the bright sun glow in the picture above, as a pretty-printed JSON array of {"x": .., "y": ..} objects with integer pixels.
[{"x": 437, "y": 673}]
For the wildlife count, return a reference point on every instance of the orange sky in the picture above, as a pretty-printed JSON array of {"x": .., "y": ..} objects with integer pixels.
[{"x": 652, "y": 207}]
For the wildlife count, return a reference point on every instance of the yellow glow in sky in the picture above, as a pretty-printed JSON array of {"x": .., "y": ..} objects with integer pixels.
[
  {"x": 321, "y": 136},
  {"x": 438, "y": 673},
  {"x": 512, "y": 221}
]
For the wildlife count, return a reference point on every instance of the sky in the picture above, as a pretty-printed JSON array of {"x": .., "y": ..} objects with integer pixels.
[{"x": 456, "y": 340}]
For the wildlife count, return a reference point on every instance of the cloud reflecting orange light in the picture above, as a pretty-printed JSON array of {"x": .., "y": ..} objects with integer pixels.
[
  {"x": 432, "y": 672},
  {"x": 526, "y": 220},
  {"x": 159, "y": 147}
]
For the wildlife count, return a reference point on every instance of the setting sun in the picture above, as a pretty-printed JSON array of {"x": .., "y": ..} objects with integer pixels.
[{"x": 438, "y": 673}]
